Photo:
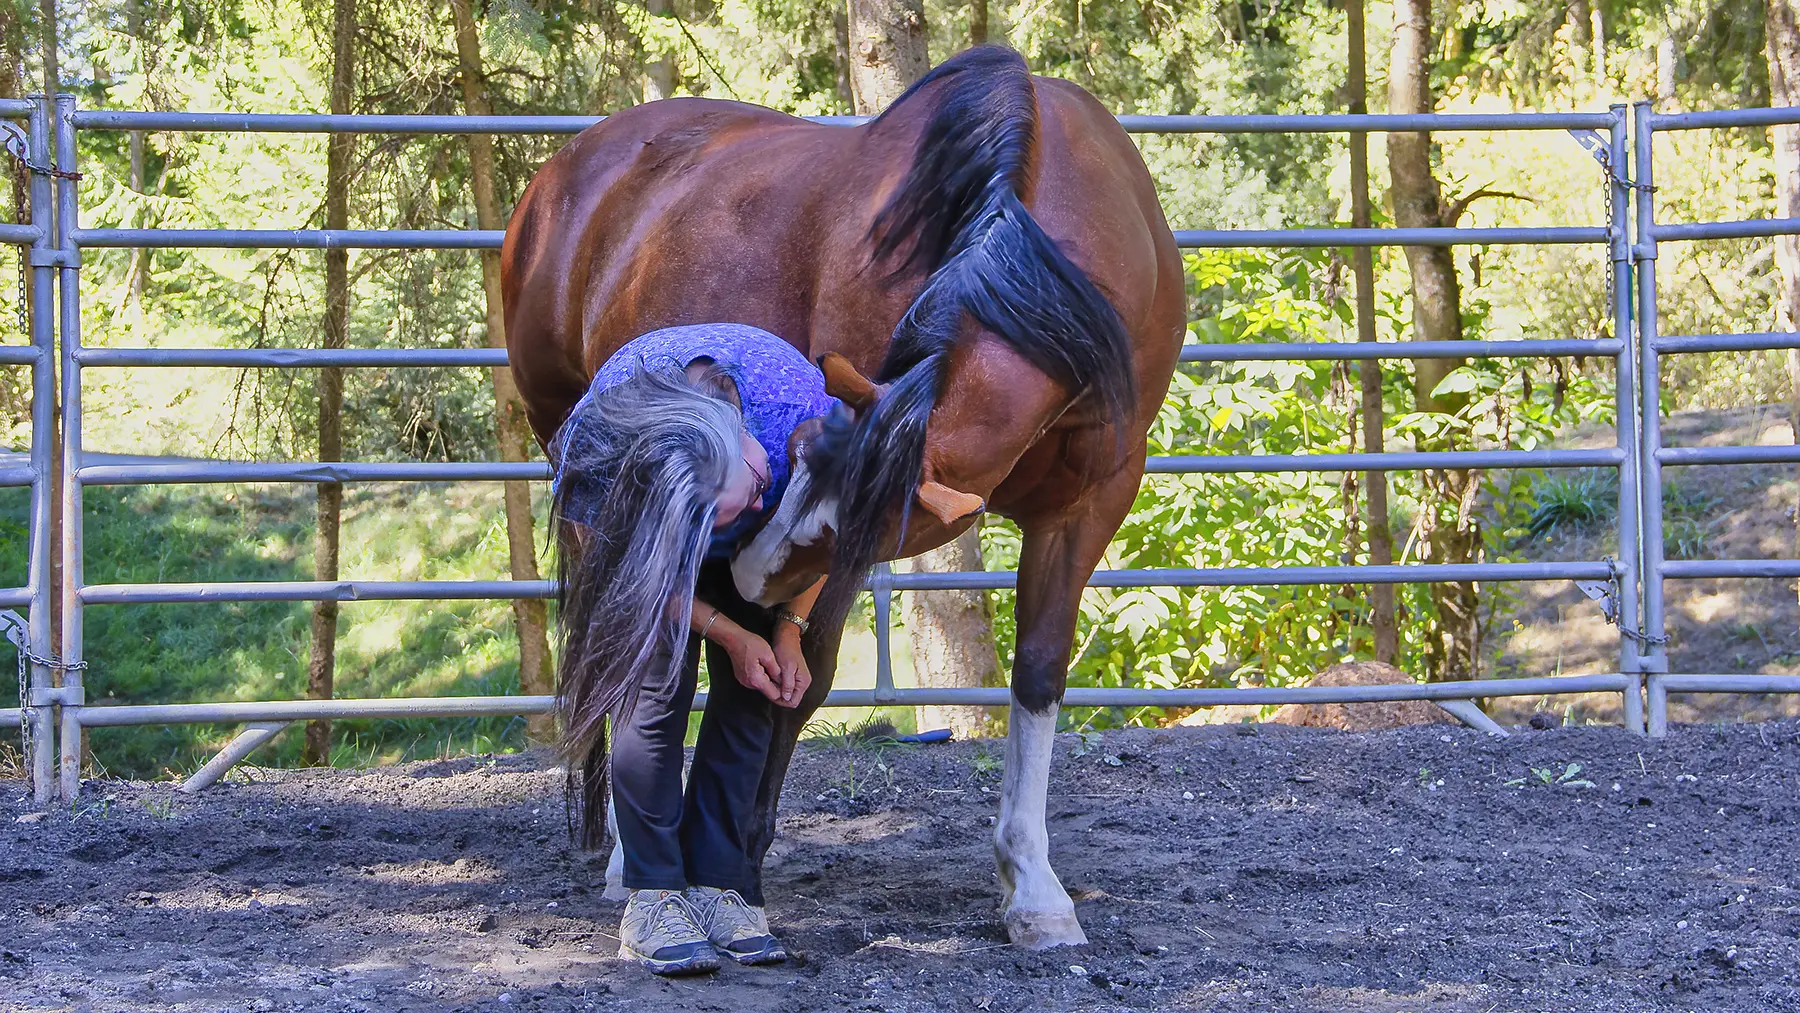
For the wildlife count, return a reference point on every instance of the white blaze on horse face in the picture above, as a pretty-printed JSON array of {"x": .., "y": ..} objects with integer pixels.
[
  {"x": 1037, "y": 910},
  {"x": 790, "y": 526}
]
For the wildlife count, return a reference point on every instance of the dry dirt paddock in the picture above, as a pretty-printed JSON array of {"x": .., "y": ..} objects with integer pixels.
[{"x": 1215, "y": 868}]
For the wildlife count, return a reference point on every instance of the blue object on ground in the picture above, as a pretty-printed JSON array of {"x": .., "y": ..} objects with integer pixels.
[{"x": 936, "y": 735}]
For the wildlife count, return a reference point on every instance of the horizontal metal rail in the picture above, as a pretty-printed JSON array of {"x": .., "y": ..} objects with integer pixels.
[
  {"x": 481, "y": 706},
  {"x": 1690, "y": 569},
  {"x": 1715, "y": 118},
  {"x": 1677, "y": 456},
  {"x": 12, "y": 477},
  {"x": 299, "y": 358},
  {"x": 1729, "y": 683},
  {"x": 479, "y": 239},
  {"x": 15, "y": 597},
  {"x": 302, "y": 472},
  {"x": 1195, "y": 239},
  {"x": 18, "y": 355},
  {"x": 1682, "y": 343},
  {"x": 310, "y": 123},
  {"x": 315, "y": 590},
  {"x": 1271, "y": 576},
  {"x": 213, "y": 472},
  {"x": 1754, "y": 228},
  {"x": 1353, "y": 351},
  {"x": 11, "y": 717},
  {"x": 1212, "y": 464},
  {"x": 19, "y": 235},
  {"x": 1243, "y": 576},
  {"x": 290, "y": 239},
  {"x": 1276, "y": 351},
  {"x": 16, "y": 108}
]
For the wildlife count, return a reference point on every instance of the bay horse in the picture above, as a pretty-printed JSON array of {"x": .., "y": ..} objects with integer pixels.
[{"x": 987, "y": 278}]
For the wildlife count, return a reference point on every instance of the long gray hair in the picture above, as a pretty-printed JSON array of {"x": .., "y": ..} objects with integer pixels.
[{"x": 639, "y": 467}]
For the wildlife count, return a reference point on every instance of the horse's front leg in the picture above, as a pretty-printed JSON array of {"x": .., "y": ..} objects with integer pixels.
[
  {"x": 821, "y": 649},
  {"x": 1056, "y": 560}
]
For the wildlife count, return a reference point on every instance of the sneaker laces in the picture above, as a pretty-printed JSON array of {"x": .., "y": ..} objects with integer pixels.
[
  {"x": 671, "y": 917},
  {"x": 741, "y": 918}
]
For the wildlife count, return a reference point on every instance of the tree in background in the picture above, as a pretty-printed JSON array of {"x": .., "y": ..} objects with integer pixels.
[
  {"x": 1782, "y": 44},
  {"x": 511, "y": 431},
  {"x": 952, "y": 632},
  {"x": 1370, "y": 412},
  {"x": 1449, "y": 528},
  {"x": 339, "y": 150}
]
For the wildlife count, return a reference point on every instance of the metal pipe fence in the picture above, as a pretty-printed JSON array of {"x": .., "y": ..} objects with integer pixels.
[
  {"x": 1659, "y": 681},
  {"x": 57, "y": 240}
]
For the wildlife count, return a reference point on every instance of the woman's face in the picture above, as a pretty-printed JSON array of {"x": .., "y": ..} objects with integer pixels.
[{"x": 748, "y": 481}]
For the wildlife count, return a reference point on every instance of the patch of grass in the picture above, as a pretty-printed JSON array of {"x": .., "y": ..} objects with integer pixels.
[{"x": 1577, "y": 500}]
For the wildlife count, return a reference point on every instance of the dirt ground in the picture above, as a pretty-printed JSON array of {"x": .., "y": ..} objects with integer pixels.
[{"x": 1217, "y": 868}]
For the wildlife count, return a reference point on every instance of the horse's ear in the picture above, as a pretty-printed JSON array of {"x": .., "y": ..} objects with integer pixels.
[
  {"x": 947, "y": 504},
  {"x": 843, "y": 382}
]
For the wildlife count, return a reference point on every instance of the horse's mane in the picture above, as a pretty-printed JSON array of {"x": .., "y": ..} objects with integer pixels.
[{"x": 958, "y": 216}]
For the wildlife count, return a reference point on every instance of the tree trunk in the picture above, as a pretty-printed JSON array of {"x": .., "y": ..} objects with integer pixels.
[
  {"x": 952, "y": 632},
  {"x": 530, "y": 615},
  {"x": 1382, "y": 621},
  {"x": 340, "y": 149},
  {"x": 840, "y": 27},
  {"x": 887, "y": 50},
  {"x": 1450, "y": 530},
  {"x": 659, "y": 74},
  {"x": 978, "y": 22},
  {"x": 1781, "y": 22}
]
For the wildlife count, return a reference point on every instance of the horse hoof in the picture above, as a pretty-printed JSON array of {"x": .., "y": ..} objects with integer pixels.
[{"x": 1044, "y": 930}]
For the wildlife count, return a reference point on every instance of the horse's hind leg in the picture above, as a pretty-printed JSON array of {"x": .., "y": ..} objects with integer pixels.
[{"x": 1055, "y": 561}]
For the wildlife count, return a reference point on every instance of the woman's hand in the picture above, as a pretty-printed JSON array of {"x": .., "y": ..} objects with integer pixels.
[
  {"x": 795, "y": 677},
  {"x": 755, "y": 664}
]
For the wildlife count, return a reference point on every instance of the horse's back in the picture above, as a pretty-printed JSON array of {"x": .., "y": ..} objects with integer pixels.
[{"x": 611, "y": 237}]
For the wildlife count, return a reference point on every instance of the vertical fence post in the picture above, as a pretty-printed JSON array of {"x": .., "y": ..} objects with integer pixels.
[
  {"x": 43, "y": 461},
  {"x": 1654, "y": 661},
  {"x": 881, "y": 583},
  {"x": 69, "y": 285},
  {"x": 1618, "y": 224}
]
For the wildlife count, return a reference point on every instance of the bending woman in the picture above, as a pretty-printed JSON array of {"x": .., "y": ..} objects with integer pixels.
[{"x": 677, "y": 453}]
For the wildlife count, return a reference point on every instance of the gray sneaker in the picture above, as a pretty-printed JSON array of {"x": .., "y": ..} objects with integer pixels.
[
  {"x": 659, "y": 929},
  {"x": 735, "y": 927}
]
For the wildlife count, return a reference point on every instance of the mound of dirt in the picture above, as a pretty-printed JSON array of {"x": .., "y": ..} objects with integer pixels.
[
  {"x": 1361, "y": 717},
  {"x": 1224, "y": 869}
]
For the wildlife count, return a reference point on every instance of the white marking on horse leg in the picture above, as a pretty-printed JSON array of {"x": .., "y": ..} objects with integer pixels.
[
  {"x": 615, "y": 863},
  {"x": 1036, "y": 908}
]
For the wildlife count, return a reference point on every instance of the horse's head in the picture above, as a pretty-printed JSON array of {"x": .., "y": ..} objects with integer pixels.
[{"x": 795, "y": 547}]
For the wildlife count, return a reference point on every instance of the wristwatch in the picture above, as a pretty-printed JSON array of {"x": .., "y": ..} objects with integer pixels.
[{"x": 788, "y": 614}]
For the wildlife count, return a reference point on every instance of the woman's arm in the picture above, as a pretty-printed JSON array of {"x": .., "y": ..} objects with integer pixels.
[
  {"x": 752, "y": 661},
  {"x": 795, "y": 676}
]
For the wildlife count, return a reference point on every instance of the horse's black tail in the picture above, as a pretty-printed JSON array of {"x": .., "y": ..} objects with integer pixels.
[{"x": 959, "y": 215}]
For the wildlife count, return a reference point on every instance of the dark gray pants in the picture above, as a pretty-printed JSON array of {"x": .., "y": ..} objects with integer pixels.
[{"x": 674, "y": 840}]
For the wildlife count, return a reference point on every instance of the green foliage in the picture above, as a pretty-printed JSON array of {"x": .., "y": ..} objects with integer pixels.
[{"x": 1576, "y": 500}]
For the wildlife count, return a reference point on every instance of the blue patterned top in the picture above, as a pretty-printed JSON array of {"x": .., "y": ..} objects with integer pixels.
[{"x": 777, "y": 386}]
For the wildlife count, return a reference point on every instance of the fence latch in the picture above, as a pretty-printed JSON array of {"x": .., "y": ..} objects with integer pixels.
[{"x": 1608, "y": 593}]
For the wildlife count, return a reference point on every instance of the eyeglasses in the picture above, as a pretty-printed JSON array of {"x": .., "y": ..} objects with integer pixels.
[{"x": 762, "y": 483}]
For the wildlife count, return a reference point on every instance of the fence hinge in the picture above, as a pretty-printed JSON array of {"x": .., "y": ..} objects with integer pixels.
[
  {"x": 59, "y": 696},
  {"x": 55, "y": 258}
]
